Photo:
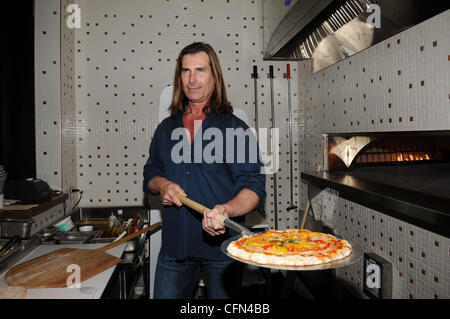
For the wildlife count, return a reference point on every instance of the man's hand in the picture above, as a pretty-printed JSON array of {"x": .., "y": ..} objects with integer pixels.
[
  {"x": 210, "y": 223},
  {"x": 167, "y": 190}
]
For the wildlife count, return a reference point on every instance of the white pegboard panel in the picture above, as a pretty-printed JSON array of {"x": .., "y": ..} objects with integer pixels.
[
  {"x": 55, "y": 96},
  {"x": 47, "y": 92},
  {"x": 68, "y": 105}
]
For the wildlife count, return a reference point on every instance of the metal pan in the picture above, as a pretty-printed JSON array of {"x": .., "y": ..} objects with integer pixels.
[{"x": 356, "y": 254}]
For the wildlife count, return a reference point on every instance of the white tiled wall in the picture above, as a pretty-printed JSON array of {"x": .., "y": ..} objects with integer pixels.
[
  {"x": 421, "y": 259},
  {"x": 68, "y": 106},
  {"x": 123, "y": 57},
  {"x": 400, "y": 84},
  {"x": 47, "y": 92},
  {"x": 54, "y": 96}
]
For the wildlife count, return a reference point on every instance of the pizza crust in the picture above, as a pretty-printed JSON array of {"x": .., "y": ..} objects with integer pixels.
[{"x": 304, "y": 258}]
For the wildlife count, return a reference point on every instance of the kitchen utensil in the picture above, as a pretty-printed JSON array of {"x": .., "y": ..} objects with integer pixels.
[
  {"x": 120, "y": 236},
  {"x": 134, "y": 225},
  {"x": 221, "y": 219},
  {"x": 50, "y": 270},
  {"x": 13, "y": 243},
  {"x": 254, "y": 76},
  {"x": 126, "y": 227},
  {"x": 291, "y": 147},
  {"x": 74, "y": 237},
  {"x": 273, "y": 148},
  {"x": 305, "y": 214}
]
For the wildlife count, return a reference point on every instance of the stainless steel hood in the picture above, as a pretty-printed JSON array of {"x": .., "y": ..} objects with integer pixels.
[{"x": 327, "y": 31}]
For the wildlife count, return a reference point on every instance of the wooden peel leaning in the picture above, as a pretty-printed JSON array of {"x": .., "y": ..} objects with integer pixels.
[{"x": 50, "y": 270}]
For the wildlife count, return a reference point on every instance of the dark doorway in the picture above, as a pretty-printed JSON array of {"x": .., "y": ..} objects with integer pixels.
[{"x": 17, "y": 126}]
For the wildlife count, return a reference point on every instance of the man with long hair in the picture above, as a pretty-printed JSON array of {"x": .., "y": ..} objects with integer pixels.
[{"x": 193, "y": 154}]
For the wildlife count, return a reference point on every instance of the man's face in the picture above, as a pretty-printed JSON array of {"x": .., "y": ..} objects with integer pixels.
[{"x": 196, "y": 77}]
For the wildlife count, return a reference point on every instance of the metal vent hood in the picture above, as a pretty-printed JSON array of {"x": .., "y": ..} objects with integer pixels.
[{"x": 327, "y": 31}]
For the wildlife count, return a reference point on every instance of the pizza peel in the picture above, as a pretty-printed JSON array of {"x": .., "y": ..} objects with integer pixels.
[
  {"x": 51, "y": 270},
  {"x": 221, "y": 219},
  {"x": 356, "y": 254}
]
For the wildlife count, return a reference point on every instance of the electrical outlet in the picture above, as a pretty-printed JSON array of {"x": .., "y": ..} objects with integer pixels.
[{"x": 377, "y": 276}]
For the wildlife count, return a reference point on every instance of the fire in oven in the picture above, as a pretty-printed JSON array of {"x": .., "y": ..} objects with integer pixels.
[
  {"x": 347, "y": 152},
  {"x": 403, "y": 174}
]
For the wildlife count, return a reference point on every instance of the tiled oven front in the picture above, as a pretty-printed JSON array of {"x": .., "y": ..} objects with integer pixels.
[{"x": 420, "y": 258}]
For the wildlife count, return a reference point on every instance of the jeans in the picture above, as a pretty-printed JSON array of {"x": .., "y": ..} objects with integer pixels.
[{"x": 177, "y": 279}]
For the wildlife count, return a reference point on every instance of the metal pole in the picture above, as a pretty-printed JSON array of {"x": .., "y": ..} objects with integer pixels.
[
  {"x": 254, "y": 76},
  {"x": 291, "y": 147},
  {"x": 273, "y": 148}
]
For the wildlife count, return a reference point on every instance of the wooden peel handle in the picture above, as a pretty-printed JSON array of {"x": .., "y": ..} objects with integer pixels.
[
  {"x": 198, "y": 207},
  {"x": 129, "y": 237}
]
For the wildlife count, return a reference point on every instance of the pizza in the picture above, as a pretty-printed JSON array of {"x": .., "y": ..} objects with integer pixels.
[{"x": 292, "y": 247}]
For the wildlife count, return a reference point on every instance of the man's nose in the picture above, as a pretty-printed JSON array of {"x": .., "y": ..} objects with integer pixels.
[{"x": 192, "y": 77}]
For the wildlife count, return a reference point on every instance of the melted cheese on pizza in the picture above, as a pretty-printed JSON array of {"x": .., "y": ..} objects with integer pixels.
[
  {"x": 290, "y": 247},
  {"x": 289, "y": 242}
]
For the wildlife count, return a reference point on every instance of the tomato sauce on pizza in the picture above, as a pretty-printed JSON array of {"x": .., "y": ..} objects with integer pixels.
[{"x": 290, "y": 247}]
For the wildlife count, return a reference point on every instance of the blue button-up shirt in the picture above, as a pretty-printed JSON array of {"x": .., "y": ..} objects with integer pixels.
[{"x": 212, "y": 170}]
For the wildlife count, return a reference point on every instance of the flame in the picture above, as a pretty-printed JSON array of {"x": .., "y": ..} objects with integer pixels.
[{"x": 413, "y": 157}]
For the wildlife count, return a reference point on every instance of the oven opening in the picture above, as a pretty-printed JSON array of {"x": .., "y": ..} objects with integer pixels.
[
  {"x": 403, "y": 174},
  {"x": 347, "y": 152}
]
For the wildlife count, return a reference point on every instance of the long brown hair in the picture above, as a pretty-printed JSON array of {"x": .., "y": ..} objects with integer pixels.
[{"x": 218, "y": 103}]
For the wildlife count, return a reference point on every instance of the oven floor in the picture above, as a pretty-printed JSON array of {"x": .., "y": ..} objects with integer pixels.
[{"x": 433, "y": 179}]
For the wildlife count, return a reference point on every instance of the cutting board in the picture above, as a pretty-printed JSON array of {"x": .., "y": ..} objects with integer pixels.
[{"x": 56, "y": 269}]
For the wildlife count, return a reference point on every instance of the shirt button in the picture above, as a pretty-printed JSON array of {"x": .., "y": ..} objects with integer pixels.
[{"x": 187, "y": 172}]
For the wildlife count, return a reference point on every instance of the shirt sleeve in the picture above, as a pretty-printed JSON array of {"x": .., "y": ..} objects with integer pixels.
[
  {"x": 248, "y": 174},
  {"x": 154, "y": 165}
]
